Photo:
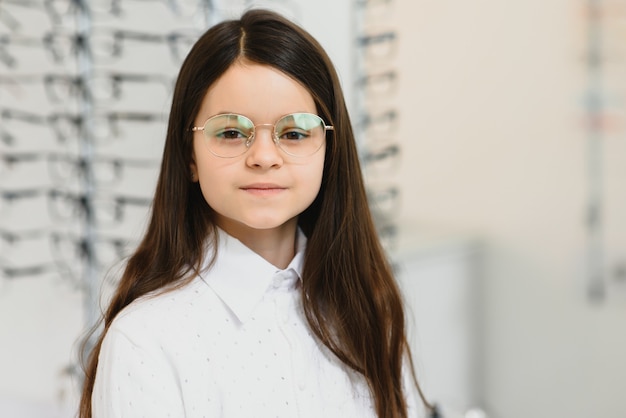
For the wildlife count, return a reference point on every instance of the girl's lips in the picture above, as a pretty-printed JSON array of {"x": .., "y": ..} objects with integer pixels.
[
  {"x": 263, "y": 189},
  {"x": 263, "y": 186}
]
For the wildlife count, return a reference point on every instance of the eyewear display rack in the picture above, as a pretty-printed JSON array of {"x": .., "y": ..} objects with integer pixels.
[
  {"x": 85, "y": 87},
  {"x": 605, "y": 124},
  {"x": 377, "y": 113}
]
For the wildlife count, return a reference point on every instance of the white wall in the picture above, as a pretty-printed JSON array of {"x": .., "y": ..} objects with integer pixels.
[{"x": 490, "y": 101}]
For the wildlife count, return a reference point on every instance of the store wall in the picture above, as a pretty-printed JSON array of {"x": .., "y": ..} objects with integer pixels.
[{"x": 495, "y": 145}]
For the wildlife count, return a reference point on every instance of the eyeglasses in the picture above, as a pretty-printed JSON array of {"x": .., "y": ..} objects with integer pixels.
[
  {"x": 179, "y": 8},
  {"x": 379, "y": 123},
  {"x": 7, "y": 19},
  {"x": 104, "y": 211},
  {"x": 378, "y": 85},
  {"x": 10, "y": 161},
  {"x": 107, "y": 45},
  {"x": 28, "y": 271},
  {"x": 60, "y": 45},
  {"x": 384, "y": 200},
  {"x": 109, "y": 86},
  {"x": 378, "y": 48},
  {"x": 23, "y": 249},
  {"x": 387, "y": 233},
  {"x": 21, "y": 128},
  {"x": 56, "y": 9},
  {"x": 11, "y": 201},
  {"x": 142, "y": 132},
  {"x": 105, "y": 171},
  {"x": 29, "y": 125},
  {"x": 230, "y": 135},
  {"x": 382, "y": 160},
  {"x": 31, "y": 200},
  {"x": 105, "y": 251},
  {"x": 376, "y": 11}
]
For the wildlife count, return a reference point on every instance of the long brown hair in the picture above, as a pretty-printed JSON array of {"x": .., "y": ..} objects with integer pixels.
[{"x": 351, "y": 300}]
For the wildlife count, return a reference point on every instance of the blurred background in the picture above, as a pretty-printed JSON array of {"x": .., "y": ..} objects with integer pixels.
[{"x": 493, "y": 142}]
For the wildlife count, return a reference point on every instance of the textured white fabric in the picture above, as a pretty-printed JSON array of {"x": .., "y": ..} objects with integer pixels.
[{"x": 233, "y": 343}]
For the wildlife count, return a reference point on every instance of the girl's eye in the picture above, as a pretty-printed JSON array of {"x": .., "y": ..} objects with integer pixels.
[
  {"x": 294, "y": 135},
  {"x": 230, "y": 134}
]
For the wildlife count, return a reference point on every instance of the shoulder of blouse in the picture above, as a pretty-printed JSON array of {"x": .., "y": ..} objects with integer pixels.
[{"x": 154, "y": 312}]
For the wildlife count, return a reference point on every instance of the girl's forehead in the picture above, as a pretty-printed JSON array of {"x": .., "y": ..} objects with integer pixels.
[{"x": 257, "y": 91}]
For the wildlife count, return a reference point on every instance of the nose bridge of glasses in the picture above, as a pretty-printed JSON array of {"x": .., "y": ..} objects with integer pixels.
[{"x": 271, "y": 128}]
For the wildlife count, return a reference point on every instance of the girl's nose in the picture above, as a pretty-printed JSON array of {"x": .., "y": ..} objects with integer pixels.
[{"x": 264, "y": 152}]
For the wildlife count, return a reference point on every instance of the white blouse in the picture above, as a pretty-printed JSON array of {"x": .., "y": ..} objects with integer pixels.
[{"x": 233, "y": 343}]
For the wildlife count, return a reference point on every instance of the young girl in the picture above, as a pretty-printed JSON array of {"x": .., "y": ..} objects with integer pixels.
[{"x": 260, "y": 288}]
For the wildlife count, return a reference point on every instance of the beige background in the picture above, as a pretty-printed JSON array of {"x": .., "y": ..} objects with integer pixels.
[{"x": 491, "y": 101}]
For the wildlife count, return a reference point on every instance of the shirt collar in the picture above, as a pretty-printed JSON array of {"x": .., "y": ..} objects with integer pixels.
[{"x": 240, "y": 277}]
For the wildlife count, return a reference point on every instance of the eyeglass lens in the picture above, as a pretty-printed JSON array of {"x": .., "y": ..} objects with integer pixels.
[{"x": 297, "y": 134}]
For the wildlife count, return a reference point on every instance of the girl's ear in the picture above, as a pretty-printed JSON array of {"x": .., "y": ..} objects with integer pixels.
[{"x": 193, "y": 170}]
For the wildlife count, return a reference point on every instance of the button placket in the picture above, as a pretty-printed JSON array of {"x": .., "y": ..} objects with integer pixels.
[{"x": 286, "y": 315}]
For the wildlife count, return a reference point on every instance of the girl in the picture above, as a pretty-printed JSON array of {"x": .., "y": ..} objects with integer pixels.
[{"x": 260, "y": 287}]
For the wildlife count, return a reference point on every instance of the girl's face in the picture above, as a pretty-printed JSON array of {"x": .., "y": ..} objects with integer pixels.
[{"x": 263, "y": 188}]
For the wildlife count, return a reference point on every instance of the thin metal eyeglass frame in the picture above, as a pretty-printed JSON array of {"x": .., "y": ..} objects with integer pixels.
[{"x": 250, "y": 140}]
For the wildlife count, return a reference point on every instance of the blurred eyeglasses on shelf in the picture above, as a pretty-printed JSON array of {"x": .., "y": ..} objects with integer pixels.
[
  {"x": 20, "y": 124},
  {"x": 128, "y": 90},
  {"x": 378, "y": 48},
  {"x": 60, "y": 11},
  {"x": 9, "y": 272},
  {"x": 70, "y": 250},
  {"x": 178, "y": 8},
  {"x": 103, "y": 89},
  {"x": 33, "y": 89},
  {"x": 34, "y": 253},
  {"x": 18, "y": 163},
  {"x": 379, "y": 123},
  {"x": 23, "y": 131},
  {"x": 20, "y": 249},
  {"x": 374, "y": 3},
  {"x": 10, "y": 239},
  {"x": 111, "y": 44},
  {"x": 378, "y": 85},
  {"x": 24, "y": 208},
  {"x": 382, "y": 160},
  {"x": 10, "y": 200},
  {"x": 385, "y": 200},
  {"x": 387, "y": 233},
  {"x": 56, "y": 10},
  {"x": 99, "y": 87},
  {"x": 7, "y": 19},
  {"x": 60, "y": 48},
  {"x": 143, "y": 133},
  {"x": 376, "y": 11},
  {"x": 103, "y": 211},
  {"x": 103, "y": 171}
]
